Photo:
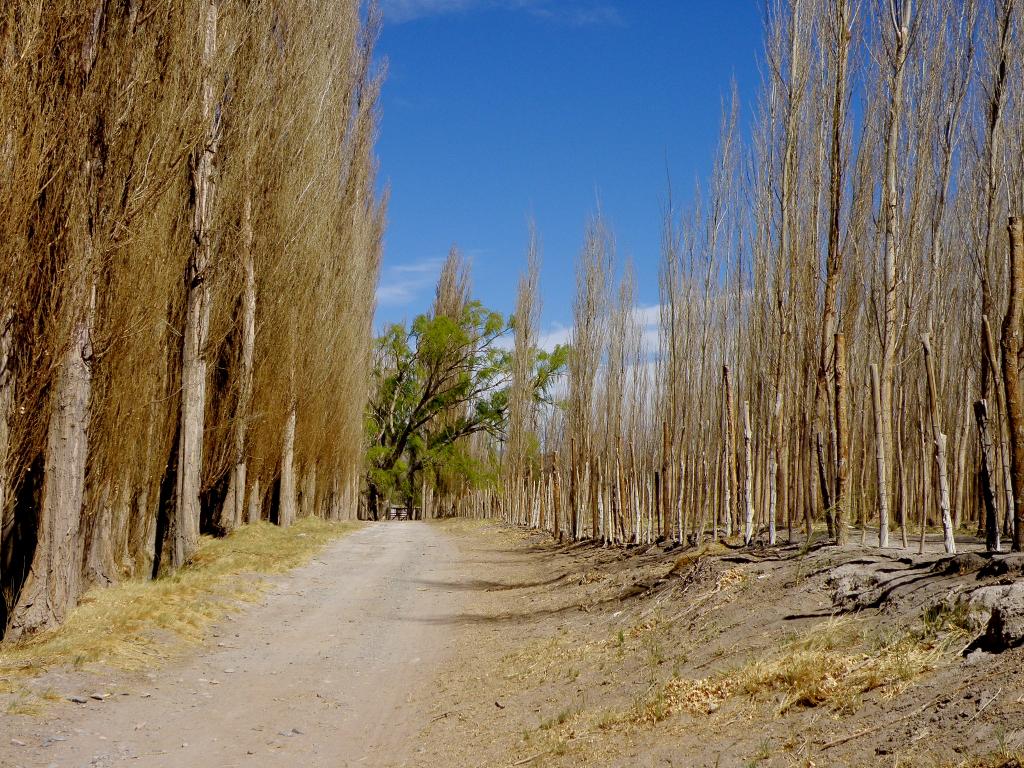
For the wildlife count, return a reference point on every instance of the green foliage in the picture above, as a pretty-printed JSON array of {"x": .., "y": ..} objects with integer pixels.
[{"x": 436, "y": 382}]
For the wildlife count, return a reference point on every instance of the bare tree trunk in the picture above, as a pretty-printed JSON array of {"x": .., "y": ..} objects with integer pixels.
[
  {"x": 54, "y": 581},
  {"x": 925, "y": 485},
  {"x": 1003, "y": 465},
  {"x": 842, "y": 441},
  {"x": 901, "y": 496},
  {"x": 992, "y": 543},
  {"x": 892, "y": 262},
  {"x": 255, "y": 506},
  {"x": 883, "y": 494},
  {"x": 940, "y": 449},
  {"x": 748, "y": 462},
  {"x": 828, "y": 357},
  {"x": 961, "y": 473},
  {"x": 777, "y": 473},
  {"x": 823, "y": 484},
  {"x": 6, "y": 403},
  {"x": 99, "y": 565},
  {"x": 245, "y": 373},
  {"x": 142, "y": 547},
  {"x": 286, "y": 511},
  {"x": 184, "y": 529},
  {"x": 731, "y": 485},
  {"x": 773, "y": 493},
  {"x": 1011, "y": 374},
  {"x": 556, "y": 500},
  {"x": 665, "y": 508},
  {"x": 308, "y": 497}
]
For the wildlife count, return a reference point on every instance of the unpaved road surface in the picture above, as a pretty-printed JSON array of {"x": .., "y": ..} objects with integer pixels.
[
  {"x": 467, "y": 644},
  {"x": 325, "y": 671}
]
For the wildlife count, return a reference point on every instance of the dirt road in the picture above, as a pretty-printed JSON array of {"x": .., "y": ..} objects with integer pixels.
[
  {"x": 323, "y": 672},
  {"x": 465, "y": 644}
]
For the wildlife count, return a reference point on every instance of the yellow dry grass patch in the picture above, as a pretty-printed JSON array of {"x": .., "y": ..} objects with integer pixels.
[
  {"x": 465, "y": 523},
  {"x": 1001, "y": 759},
  {"x": 686, "y": 561},
  {"x": 131, "y": 625},
  {"x": 832, "y": 666}
]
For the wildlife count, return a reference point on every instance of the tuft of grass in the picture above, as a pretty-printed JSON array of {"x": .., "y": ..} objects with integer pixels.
[
  {"x": 24, "y": 704},
  {"x": 689, "y": 559},
  {"x": 831, "y": 666},
  {"x": 560, "y": 719},
  {"x": 133, "y": 624},
  {"x": 835, "y": 664},
  {"x": 1002, "y": 758}
]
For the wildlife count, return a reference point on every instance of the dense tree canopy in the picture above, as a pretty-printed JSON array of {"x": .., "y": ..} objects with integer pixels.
[{"x": 436, "y": 383}]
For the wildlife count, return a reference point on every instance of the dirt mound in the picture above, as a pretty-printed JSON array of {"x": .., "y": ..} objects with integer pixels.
[{"x": 770, "y": 657}]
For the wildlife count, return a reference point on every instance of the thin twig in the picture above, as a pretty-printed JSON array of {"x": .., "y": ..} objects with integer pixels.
[{"x": 531, "y": 758}]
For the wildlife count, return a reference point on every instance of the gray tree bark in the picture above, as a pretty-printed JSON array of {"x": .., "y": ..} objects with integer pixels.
[
  {"x": 184, "y": 528},
  {"x": 286, "y": 509},
  {"x": 255, "y": 506},
  {"x": 900, "y": 14},
  {"x": 992, "y": 543},
  {"x": 880, "y": 460},
  {"x": 748, "y": 476},
  {"x": 6, "y": 403},
  {"x": 1013, "y": 347},
  {"x": 940, "y": 449},
  {"x": 54, "y": 580}
]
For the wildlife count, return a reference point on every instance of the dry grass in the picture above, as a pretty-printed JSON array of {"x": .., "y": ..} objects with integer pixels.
[
  {"x": 688, "y": 560},
  {"x": 131, "y": 625},
  {"x": 1000, "y": 759},
  {"x": 832, "y": 666}
]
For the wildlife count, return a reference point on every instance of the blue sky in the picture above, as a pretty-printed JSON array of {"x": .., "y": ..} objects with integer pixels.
[{"x": 496, "y": 111}]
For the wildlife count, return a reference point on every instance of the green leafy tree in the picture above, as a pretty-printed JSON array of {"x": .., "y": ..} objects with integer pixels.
[{"x": 437, "y": 383}]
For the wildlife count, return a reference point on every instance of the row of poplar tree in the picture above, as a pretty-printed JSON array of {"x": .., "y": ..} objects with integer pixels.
[
  {"x": 190, "y": 239},
  {"x": 839, "y": 331}
]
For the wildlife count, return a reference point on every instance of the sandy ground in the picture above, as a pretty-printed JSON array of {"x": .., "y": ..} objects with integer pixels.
[
  {"x": 563, "y": 651},
  {"x": 468, "y": 644},
  {"x": 323, "y": 672}
]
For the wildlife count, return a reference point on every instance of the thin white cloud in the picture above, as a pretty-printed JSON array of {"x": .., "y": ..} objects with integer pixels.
[
  {"x": 600, "y": 14},
  {"x": 555, "y": 335},
  {"x": 399, "y": 11},
  {"x": 402, "y": 284},
  {"x": 576, "y": 13},
  {"x": 647, "y": 316}
]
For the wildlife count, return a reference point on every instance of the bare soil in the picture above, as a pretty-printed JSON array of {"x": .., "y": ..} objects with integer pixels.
[
  {"x": 322, "y": 672},
  {"x": 469, "y": 644},
  {"x": 583, "y": 656}
]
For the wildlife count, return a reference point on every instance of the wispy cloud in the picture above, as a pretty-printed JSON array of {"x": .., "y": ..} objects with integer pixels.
[
  {"x": 649, "y": 320},
  {"x": 553, "y": 336},
  {"x": 404, "y": 283},
  {"x": 584, "y": 15},
  {"x": 399, "y": 11},
  {"x": 576, "y": 13}
]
